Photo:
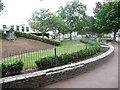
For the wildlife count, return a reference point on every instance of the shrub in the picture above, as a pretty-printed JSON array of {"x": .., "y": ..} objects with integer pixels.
[
  {"x": 1, "y": 34},
  {"x": 89, "y": 41},
  {"x": 4, "y": 69},
  {"x": 13, "y": 68},
  {"x": 48, "y": 62},
  {"x": 16, "y": 67},
  {"x": 110, "y": 39},
  {"x": 35, "y": 37}
]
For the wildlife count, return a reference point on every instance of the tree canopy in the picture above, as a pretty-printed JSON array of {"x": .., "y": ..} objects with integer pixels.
[
  {"x": 108, "y": 18},
  {"x": 1, "y": 6},
  {"x": 40, "y": 20},
  {"x": 73, "y": 14}
]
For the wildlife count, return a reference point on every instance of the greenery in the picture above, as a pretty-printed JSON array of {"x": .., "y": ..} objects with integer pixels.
[
  {"x": 1, "y": 33},
  {"x": 108, "y": 18},
  {"x": 74, "y": 14},
  {"x": 31, "y": 36},
  {"x": 40, "y": 20},
  {"x": 1, "y": 6},
  {"x": 53, "y": 61},
  {"x": 58, "y": 25},
  {"x": 89, "y": 41},
  {"x": 4, "y": 69},
  {"x": 106, "y": 39},
  {"x": 67, "y": 46},
  {"x": 43, "y": 20},
  {"x": 13, "y": 68},
  {"x": 68, "y": 51}
]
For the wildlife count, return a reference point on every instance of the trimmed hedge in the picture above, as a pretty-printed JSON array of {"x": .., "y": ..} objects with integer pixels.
[
  {"x": 89, "y": 41},
  {"x": 111, "y": 39},
  {"x": 107, "y": 39},
  {"x": 53, "y": 61},
  {"x": 14, "y": 68},
  {"x": 35, "y": 37},
  {"x": 1, "y": 34}
]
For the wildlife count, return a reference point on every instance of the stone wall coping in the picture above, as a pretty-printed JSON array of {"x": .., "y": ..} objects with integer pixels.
[{"x": 56, "y": 69}]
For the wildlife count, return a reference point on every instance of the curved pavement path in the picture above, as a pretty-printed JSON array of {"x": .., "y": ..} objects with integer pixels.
[{"x": 104, "y": 76}]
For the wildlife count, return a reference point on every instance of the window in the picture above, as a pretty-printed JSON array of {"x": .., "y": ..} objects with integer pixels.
[
  {"x": 22, "y": 28},
  {"x": 27, "y": 29},
  {"x": 12, "y": 26},
  {"x": 17, "y": 28},
  {"x": 4, "y": 27}
]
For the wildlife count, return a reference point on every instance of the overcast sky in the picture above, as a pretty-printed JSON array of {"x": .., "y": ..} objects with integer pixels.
[{"x": 17, "y": 12}]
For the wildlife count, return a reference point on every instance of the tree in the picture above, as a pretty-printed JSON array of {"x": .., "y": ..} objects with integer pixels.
[
  {"x": 108, "y": 18},
  {"x": 97, "y": 7},
  {"x": 57, "y": 25},
  {"x": 1, "y": 6},
  {"x": 73, "y": 14},
  {"x": 112, "y": 0},
  {"x": 40, "y": 20}
]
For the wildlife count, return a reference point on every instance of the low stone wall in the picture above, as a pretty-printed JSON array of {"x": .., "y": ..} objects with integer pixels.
[{"x": 49, "y": 76}]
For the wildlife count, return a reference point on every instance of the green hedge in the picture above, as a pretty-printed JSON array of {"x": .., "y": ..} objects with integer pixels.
[
  {"x": 1, "y": 34},
  {"x": 13, "y": 68},
  {"x": 49, "y": 62},
  {"x": 89, "y": 41},
  {"x": 35, "y": 37},
  {"x": 108, "y": 39}
]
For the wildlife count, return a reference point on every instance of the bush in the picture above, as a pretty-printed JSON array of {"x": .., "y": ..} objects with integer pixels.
[
  {"x": 4, "y": 69},
  {"x": 89, "y": 41},
  {"x": 48, "y": 62},
  {"x": 13, "y": 68},
  {"x": 35, "y": 37},
  {"x": 110, "y": 39},
  {"x": 1, "y": 34}
]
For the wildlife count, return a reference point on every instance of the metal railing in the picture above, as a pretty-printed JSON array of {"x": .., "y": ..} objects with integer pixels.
[{"x": 28, "y": 57}]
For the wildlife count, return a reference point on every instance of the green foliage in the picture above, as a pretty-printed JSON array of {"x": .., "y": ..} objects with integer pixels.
[
  {"x": 57, "y": 24},
  {"x": 106, "y": 39},
  {"x": 46, "y": 62},
  {"x": 1, "y": 6},
  {"x": 31, "y": 36},
  {"x": 74, "y": 14},
  {"x": 88, "y": 41},
  {"x": 52, "y": 61},
  {"x": 1, "y": 34},
  {"x": 4, "y": 69},
  {"x": 13, "y": 68},
  {"x": 108, "y": 18},
  {"x": 40, "y": 20}
]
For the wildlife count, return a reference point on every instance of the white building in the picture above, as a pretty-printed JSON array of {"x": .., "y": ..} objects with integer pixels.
[
  {"x": 27, "y": 29},
  {"x": 21, "y": 28}
]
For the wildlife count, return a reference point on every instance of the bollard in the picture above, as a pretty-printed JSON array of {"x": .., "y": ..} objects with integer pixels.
[
  {"x": 86, "y": 45},
  {"x": 55, "y": 53}
]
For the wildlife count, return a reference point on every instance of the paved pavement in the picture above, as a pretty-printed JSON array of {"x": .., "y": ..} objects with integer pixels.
[{"x": 104, "y": 76}]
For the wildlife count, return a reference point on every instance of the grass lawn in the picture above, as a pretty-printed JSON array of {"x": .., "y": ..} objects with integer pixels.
[{"x": 67, "y": 46}]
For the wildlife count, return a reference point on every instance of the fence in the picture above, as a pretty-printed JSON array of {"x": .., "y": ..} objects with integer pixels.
[{"x": 30, "y": 56}]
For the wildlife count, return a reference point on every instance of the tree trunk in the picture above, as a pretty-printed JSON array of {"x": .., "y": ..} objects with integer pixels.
[
  {"x": 70, "y": 36},
  {"x": 115, "y": 35},
  {"x": 42, "y": 34},
  {"x": 58, "y": 36}
]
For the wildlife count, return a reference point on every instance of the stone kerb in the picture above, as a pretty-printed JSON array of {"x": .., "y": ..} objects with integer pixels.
[{"x": 48, "y": 76}]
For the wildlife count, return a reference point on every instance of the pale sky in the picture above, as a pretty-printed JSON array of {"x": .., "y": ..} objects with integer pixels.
[{"x": 17, "y": 12}]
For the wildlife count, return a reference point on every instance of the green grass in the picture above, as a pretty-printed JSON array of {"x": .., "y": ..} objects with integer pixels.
[
  {"x": 106, "y": 38},
  {"x": 67, "y": 46}
]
